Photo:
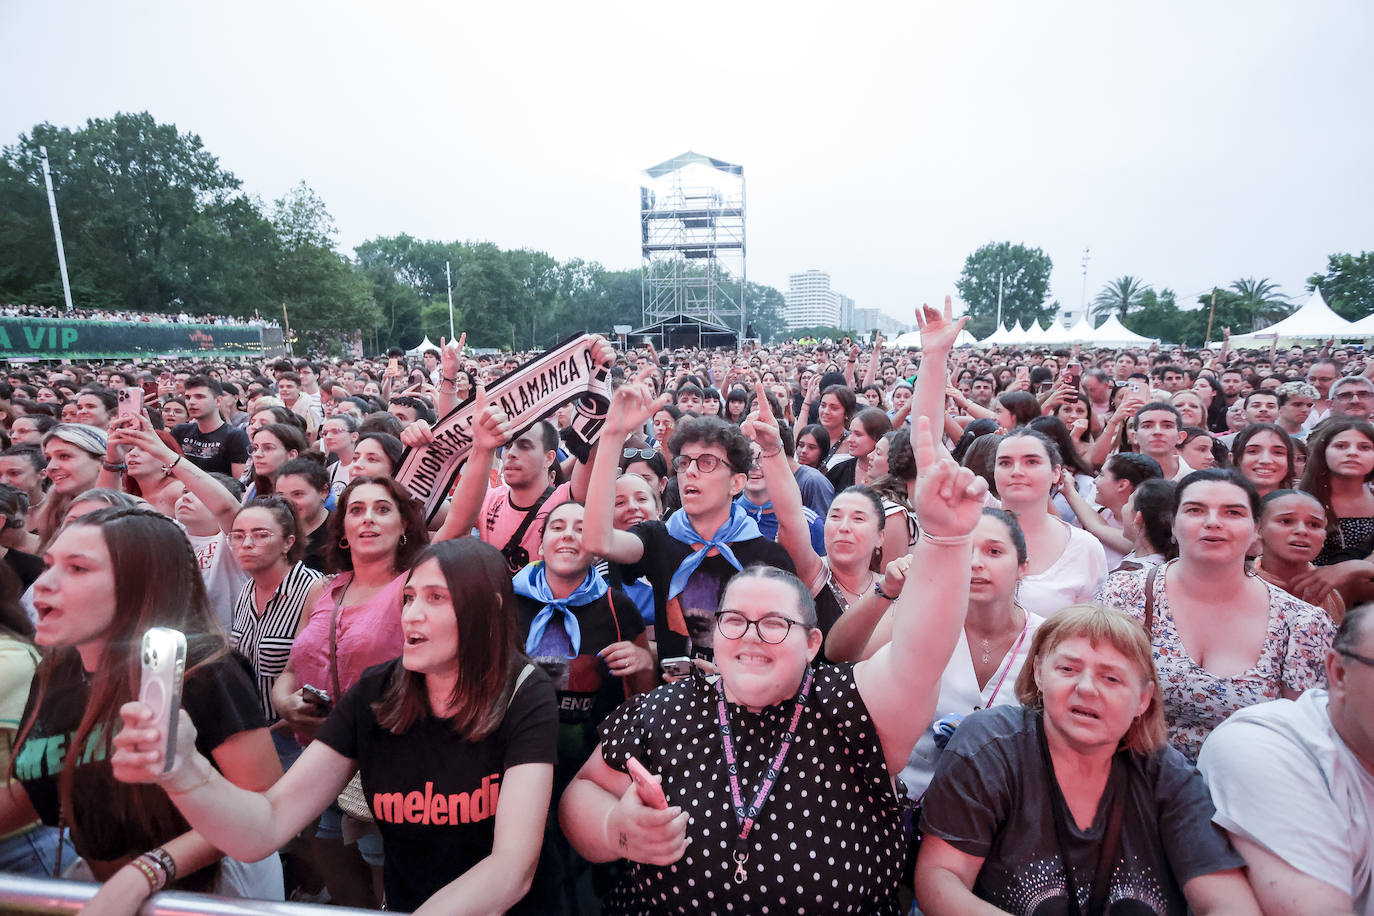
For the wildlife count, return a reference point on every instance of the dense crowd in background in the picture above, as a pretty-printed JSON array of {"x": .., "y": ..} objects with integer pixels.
[
  {"x": 838, "y": 627},
  {"x": 13, "y": 310}
]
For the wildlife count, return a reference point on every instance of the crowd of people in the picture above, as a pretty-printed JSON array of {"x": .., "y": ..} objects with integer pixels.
[
  {"x": 19, "y": 310},
  {"x": 811, "y": 629}
]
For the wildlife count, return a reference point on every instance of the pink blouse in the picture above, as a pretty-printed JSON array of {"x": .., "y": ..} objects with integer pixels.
[{"x": 368, "y": 634}]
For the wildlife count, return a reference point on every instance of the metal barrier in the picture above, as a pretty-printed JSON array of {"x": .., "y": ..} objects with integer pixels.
[{"x": 24, "y": 894}]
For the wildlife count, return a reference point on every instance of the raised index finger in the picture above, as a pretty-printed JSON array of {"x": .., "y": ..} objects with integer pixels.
[{"x": 765, "y": 409}]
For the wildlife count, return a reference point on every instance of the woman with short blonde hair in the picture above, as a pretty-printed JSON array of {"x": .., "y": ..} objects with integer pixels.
[{"x": 1075, "y": 797}]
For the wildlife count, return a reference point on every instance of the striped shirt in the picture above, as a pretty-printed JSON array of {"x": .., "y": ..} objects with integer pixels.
[{"x": 265, "y": 639}]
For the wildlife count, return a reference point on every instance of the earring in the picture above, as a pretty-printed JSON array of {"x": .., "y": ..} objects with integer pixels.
[
  {"x": 403, "y": 540},
  {"x": 343, "y": 543}
]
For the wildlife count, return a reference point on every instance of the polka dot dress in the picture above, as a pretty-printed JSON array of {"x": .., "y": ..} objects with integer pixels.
[{"x": 829, "y": 838}]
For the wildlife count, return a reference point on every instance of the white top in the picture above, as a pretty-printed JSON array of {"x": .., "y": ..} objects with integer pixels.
[
  {"x": 1072, "y": 579},
  {"x": 224, "y": 577},
  {"x": 959, "y": 695},
  {"x": 1281, "y": 777}
]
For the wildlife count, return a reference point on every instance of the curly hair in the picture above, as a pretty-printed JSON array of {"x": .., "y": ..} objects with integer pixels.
[
  {"x": 714, "y": 431},
  {"x": 414, "y": 535}
]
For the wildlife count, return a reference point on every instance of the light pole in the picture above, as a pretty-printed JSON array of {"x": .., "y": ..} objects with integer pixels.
[
  {"x": 56, "y": 228},
  {"x": 1087, "y": 256}
]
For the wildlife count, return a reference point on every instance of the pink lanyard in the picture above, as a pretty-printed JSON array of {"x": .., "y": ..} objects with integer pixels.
[
  {"x": 748, "y": 817},
  {"x": 1011, "y": 659}
]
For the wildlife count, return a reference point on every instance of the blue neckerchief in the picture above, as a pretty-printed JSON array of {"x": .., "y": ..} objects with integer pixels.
[
  {"x": 739, "y": 527},
  {"x": 532, "y": 583}
]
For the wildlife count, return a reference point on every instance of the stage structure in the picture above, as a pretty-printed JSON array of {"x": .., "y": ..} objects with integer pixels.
[{"x": 691, "y": 213}]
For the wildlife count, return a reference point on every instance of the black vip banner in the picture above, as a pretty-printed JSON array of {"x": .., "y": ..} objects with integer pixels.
[
  {"x": 566, "y": 373},
  {"x": 60, "y": 338}
]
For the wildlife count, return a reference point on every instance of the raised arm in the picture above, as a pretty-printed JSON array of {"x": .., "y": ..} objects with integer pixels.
[
  {"x": 491, "y": 430},
  {"x": 871, "y": 373},
  {"x": 242, "y": 821},
  {"x": 938, "y": 332},
  {"x": 900, "y": 682},
  {"x": 631, "y": 406},
  {"x": 138, "y": 431},
  {"x": 1092, "y": 523},
  {"x": 603, "y": 354},
  {"x": 855, "y": 636},
  {"x": 809, "y": 397},
  {"x": 450, "y": 364},
  {"x": 793, "y": 533}
]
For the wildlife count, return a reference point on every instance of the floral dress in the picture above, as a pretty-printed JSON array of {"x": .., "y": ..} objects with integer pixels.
[{"x": 1196, "y": 700}]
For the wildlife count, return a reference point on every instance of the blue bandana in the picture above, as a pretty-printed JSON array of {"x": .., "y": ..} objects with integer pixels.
[
  {"x": 739, "y": 527},
  {"x": 532, "y": 583}
]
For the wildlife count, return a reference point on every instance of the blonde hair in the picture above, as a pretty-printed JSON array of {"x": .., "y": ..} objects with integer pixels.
[{"x": 1099, "y": 624}]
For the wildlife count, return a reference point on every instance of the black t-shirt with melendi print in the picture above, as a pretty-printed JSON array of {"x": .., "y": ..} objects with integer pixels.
[
  {"x": 587, "y": 691},
  {"x": 434, "y": 794},
  {"x": 114, "y": 819},
  {"x": 215, "y": 452},
  {"x": 686, "y": 625}
]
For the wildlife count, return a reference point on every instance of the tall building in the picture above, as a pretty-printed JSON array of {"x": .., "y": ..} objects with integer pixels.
[
  {"x": 811, "y": 302},
  {"x": 866, "y": 321}
]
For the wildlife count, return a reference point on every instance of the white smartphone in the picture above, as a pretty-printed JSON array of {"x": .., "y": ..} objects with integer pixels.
[
  {"x": 129, "y": 401},
  {"x": 164, "y": 664}
]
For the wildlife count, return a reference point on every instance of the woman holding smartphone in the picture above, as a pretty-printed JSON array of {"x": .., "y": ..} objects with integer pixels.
[
  {"x": 113, "y": 574},
  {"x": 459, "y": 718}
]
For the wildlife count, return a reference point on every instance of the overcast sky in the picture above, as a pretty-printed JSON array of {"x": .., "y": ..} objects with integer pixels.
[{"x": 1185, "y": 143}]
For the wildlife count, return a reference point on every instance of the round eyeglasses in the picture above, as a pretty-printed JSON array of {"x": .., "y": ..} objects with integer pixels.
[{"x": 771, "y": 629}]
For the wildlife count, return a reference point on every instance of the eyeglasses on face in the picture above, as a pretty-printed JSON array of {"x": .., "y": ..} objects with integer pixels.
[
  {"x": 771, "y": 629},
  {"x": 1362, "y": 659},
  {"x": 645, "y": 454},
  {"x": 257, "y": 535},
  {"x": 705, "y": 463}
]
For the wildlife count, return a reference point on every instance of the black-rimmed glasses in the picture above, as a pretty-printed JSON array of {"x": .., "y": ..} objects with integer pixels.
[
  {"x": 1362, "y": 659},
  {"x": 771, "y": 629}
]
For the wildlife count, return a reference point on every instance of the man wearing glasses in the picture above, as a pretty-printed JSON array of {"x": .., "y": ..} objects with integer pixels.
[
  {"x": 1353, "y": 396},
  {"x": 688, "y": 559},
  {"x": 1293, "y": 784}
]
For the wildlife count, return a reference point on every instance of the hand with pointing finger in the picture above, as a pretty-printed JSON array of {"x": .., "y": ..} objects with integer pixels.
[
  {"x": 939, "y": 331},
  {"x": 949, "y": 499}
]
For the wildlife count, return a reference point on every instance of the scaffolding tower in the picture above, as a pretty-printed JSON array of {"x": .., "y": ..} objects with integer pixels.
[{"x": 692, "y": 233}]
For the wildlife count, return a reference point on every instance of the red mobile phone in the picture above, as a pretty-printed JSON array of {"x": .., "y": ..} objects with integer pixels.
[{"x": 649, "y": 791}]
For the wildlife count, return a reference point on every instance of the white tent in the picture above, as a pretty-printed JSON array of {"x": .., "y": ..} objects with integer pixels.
[
  {"x": 1363, "y": 328},
  {"x": 1017, "y": 335},
  {"x": 1113, "y": 333},
  {"x": 422, "y": 346},
  {"x": 1314, "y": 321},
  {"x": 913, "y": 339},
  {"x": 996, "y": 337},
  {"x": 1081, "y": 333}
]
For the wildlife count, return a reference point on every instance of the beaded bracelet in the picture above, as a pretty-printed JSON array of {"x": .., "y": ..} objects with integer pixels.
[{"x": 157, "y": 879}]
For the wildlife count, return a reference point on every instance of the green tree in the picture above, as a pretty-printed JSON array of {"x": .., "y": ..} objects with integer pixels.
[
  {"x": 1119, "y": 297},
  {"x": 1158, "y": 315},
  {"x": 1024, "y": 274},
  {"x": 765, "y": 309},
  {"x": 321, "y": 289},
  {"x": 1260, "y": 301},
  {"x": 150, "y": 221},
  {"x": 1347, "y": 286}
]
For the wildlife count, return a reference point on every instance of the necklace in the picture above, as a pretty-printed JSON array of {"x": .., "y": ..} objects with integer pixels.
[{"x": 845, "y": 593}]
